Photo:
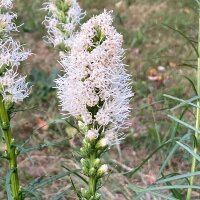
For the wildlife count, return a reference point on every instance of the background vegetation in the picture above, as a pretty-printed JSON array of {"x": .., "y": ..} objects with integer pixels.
[{"x": 160, "y": 60}]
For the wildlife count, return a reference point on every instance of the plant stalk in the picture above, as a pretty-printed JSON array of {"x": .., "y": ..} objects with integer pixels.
[
  {"x": 10, "y": 150},
  {"x": 196, "y": 135},
  {"x": 92, "y": 179}
]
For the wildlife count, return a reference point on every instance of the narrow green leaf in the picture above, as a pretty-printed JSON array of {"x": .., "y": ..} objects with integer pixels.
[
  {"x": 192, "y": 84},
  {"x": 8, "y": 186},
  {"x": 184, "y": 123},
  {"x": 74, "y": 187},
  {"x": 168, "y": 188},
  {"x": 75, "y": 173},
  {"x": 183, "y": 102},
  {"x": 30, "y": 193},
  {"x": 39, "y": 146},
  {"x": 61, "y": 194},
  {"x": 34, "y": 185},
  {"x": 176, "y": 146},
  {"x": 167, "y": 197},
  {"x": 190, "y": 150},
  {"x": 184, "y": 36},
  {"x": 188, "y": 65},
  {"x": 177, "y": 177},
  {"x": 153, "y": 193},
  {"x": 133, "y": 171}
]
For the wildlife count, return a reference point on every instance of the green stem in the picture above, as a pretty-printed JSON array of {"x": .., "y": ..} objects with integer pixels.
[
  {"x": 11, "y": 151},
  {"x": 92, "y": 179},
  {"x": 196, "y": 135}
]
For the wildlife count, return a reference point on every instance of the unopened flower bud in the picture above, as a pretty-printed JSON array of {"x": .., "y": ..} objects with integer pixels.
[
  {"x": 92, "y": 171},
  {"x": 97, "y": 162},
  {"x": 103, "y": 143},
  {"x": 84, "y": 192},
  {"x": 85, "y": 170},
  {"x": 103, "y": 170}
]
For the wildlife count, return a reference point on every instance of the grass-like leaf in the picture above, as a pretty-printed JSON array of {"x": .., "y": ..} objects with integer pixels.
[
  {"x": 184, "y": 36},
  {"x": 61, "y": 194},
  {"x": 34, "y": 185},
  {"x": 133, "y": 171},
  {"x": 190, "y": 150},
  {"x": 169, "y": 157},
  {"x": 168, "y": 187},
  {"x": 183, "y": 102},
  {"x": 30, "y": 193},
  {"x": 173, "y": 178},
  {"x": 76, "y": 174},
  {"x": 137, "y": 190},
  {"x": 184, "y": 123},
  {"x": 192, "y": 84},
  {"x": 8, "y": 186}
]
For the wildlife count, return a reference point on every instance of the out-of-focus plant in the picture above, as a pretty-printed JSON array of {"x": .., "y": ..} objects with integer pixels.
[
  {"x": 13, "y": 89},
  {"x": 44, "y": 86},
  {"x": 61, "y": 22}
]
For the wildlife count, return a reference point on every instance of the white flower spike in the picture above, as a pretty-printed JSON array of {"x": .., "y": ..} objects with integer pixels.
[
  {"x": 63, "y": 17},
  {"x": 13, "y": 87},
  {"x": 96, "y": 86}
]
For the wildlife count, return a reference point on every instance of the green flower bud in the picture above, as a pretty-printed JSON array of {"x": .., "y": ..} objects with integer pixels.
[
  {"x": 85, "y": 170},
  {"x": 5, "y": 155},
  {"x": 102, "y": 171},
  {"x": 97, "y": 163},
  {"x": 17, "y": 151},
  {"x": 92, "y": 198},
  {"x": 82, "y": 126},
  {"x": 103, "y": 143},
  {"x": 5, "y": 126},
  {"x": 92, "y": 171},
  {"x": 84, "y": 192},
  {"x": 83, "y": 151}
]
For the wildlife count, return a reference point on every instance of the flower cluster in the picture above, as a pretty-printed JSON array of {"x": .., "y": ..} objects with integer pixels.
[
  {"x": 63, "y": 17},
  {"x": 6, "y": 4},
  {"x": 96, "y": 86},
  {"x": 13, "y": 87},
  {"x": 96, "y": 90},
  {"x": 6, "y": 24}
]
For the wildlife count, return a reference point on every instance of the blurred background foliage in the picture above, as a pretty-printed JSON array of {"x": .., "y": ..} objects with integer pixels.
[{"x": 160, "y": 60}]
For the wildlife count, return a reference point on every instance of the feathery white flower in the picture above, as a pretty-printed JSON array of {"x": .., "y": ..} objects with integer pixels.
[
  {"x": 92, "y": 134},
  {"x": 6, "y": 24},
  {"x": 13, "y": 87},
  {"x": 96, "y": 86},
  {"x": 6, "y": 4},
  {"x": 12, "y": 53},
  {"x": 63, "y": 17}
]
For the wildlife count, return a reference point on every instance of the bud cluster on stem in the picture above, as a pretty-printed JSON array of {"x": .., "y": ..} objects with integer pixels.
[{"x": 91, "y": 164}]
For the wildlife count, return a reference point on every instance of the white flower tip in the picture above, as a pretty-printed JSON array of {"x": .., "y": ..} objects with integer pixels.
[
  {"x": 103, "y": 170},
  {"x": 92, "y": 134},
  {"x": 104, "y": 142}
]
